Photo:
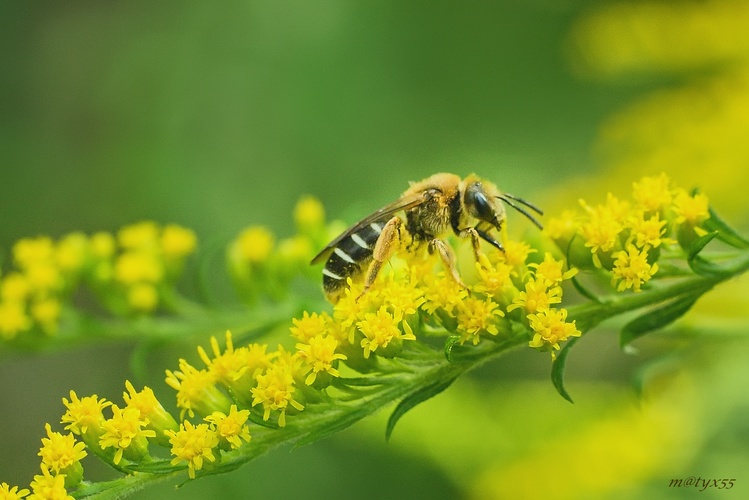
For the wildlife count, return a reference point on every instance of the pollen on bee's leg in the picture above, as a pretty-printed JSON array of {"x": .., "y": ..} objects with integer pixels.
[
  {"x": 382, "y": 251},
  {"x": 475, "y": 242},
  {"x": 447, "y": 256},
  {"x": 372, "y": 272}
]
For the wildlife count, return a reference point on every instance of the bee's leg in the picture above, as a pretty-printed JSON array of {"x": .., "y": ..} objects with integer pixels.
[
  {"x": 447, "y": 256},
  {"x": 383, "y": 249},
  {"x": 475, "y": 233},
  {"x": 475, "y": 242},
  {"x": 489, "y": 239}
]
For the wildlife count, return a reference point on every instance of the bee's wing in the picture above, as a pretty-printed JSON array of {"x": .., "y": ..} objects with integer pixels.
[{"x": 404, "y": 203}]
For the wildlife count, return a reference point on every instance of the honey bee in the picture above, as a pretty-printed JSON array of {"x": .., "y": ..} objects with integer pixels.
[{"x": 469, "y": 207}]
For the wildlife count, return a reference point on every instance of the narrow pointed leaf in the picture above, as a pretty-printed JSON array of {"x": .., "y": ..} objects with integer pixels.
[
  {"x": 557, "y": 369},
  {"x": 725, "y": 232},
  {"x": 657, "y": 318},
  {"x": 414, "y": 399},
  {"x": 707, "y": 268},
  {"x": 697, "y": 245}
]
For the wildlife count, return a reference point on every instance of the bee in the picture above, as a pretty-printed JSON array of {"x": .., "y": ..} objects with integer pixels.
[{"x": 470, "y": 207}]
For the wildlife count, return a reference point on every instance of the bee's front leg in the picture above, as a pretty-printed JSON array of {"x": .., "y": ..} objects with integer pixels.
[
  {"x": 475, "y": 241},
  {"x": 477, "y": 235},
  {"x": 447, "y": 256},
  {"x": 386, "y": 243}
]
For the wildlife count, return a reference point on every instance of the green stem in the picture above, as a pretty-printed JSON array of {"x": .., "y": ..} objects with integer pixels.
[
  {"x": 590, "y": 314},
  {"x": 121, "y": 487}
]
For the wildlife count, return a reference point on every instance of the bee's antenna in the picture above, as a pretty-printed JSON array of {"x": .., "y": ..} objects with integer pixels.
[
  {"x": 507, "y": 197},
  {"x": 528, "y": 204}
]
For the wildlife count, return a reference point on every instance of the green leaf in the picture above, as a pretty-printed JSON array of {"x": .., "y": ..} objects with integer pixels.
[
  {"x": 657, "y": 318},
  {"x": 702, "y": 266},
  {"x": 347, "y": 419},
  {"x": 421, "y": 395},
  {"x": 708, "y": 269},
  {"x": 697, "y": 245},
  {"x": 726, "y": 233},
  {"x": 557, "y": 369}
]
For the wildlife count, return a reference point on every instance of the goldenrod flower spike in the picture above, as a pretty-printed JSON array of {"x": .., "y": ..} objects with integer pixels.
[{"x": 369, "y": 349}]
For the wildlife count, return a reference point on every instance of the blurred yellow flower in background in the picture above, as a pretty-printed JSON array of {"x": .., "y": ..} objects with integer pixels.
[{"x": 694, "y": 126}]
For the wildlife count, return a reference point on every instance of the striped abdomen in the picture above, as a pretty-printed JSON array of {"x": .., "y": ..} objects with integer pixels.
[{"x": 349, "y": 258}]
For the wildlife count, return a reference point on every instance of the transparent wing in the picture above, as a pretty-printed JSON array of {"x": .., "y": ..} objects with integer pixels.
[{"x": 404, "y": 203}]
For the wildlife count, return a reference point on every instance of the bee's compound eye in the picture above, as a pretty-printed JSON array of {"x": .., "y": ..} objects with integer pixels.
[
  {"x": 482, "y": 206},
  {"x": 476, "y": 199}
]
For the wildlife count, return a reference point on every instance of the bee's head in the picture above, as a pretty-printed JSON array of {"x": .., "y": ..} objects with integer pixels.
[
  {"x": 482, "y": 202},
  {"x": 482, "y": 205}
]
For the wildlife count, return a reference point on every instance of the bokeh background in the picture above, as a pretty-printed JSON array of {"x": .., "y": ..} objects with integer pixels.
[{"x": 220, "y": 115}]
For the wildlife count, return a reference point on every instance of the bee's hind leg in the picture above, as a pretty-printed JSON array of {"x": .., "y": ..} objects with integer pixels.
[{"x": 386, "y": 243}]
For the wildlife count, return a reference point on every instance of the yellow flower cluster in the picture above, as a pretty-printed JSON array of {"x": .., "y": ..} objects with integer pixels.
[
  {"x": 626, "y": 238},
  {"x": 223, "y": 393},
  {"x": 124, "y": 438},
  {"x": 132, "y": 272},
  {"x": 416, "y": 292},
  {"x": 32, "y": 294},
  {"x": 125, "y": 434},
  {"x": 129, "y": 272},
  {"x": 250, "y": 376}
]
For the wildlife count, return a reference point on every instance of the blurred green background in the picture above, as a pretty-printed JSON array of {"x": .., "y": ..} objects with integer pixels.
[{"x": 220, "y": 115}]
